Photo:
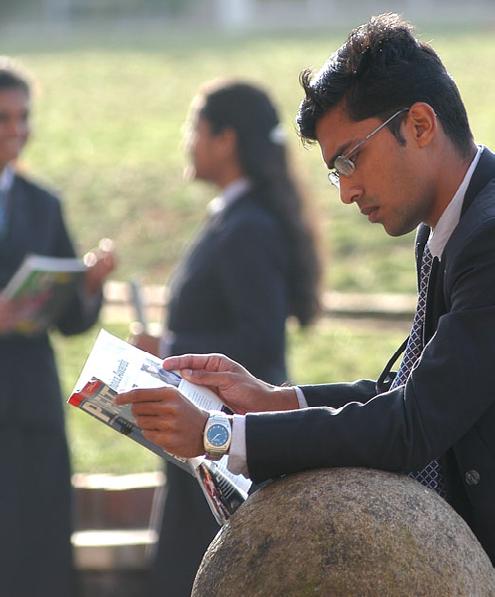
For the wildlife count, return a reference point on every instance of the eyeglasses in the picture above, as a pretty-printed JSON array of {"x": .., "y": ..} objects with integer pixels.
[{"x": 343, "y": 164}]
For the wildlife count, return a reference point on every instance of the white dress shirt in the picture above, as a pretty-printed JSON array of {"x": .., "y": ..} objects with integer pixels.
[
  {"x": 230, "y": 193},
  {"x": 439, "y": 237}
]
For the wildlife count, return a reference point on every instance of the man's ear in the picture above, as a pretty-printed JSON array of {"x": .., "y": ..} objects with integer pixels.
[{"x": 422, "y": 123}]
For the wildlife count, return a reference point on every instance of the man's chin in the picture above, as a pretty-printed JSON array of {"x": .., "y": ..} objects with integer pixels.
[{"x": 397, "y": 230}]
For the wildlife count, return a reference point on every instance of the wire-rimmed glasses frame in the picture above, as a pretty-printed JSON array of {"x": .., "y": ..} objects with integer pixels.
[{"x": 343, "y": 164}]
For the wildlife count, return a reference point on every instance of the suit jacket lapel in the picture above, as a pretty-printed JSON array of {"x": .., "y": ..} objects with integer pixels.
[
  {"x": 435, "y": 301},
  {"x": 484, "y": 172}
]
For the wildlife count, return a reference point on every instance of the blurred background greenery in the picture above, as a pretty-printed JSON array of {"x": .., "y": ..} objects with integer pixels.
[{"x": 109, "y": 117}]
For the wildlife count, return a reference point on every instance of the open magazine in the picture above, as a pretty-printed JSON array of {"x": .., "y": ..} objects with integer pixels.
[
  {"x": 114, "y": 366},
  {"x": 41, "y": 289}
]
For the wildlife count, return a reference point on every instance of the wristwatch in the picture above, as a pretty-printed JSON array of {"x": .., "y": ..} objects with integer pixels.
[{"x": 217, "y": 435}]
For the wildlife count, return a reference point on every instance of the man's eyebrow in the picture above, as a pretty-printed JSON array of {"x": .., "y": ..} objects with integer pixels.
[{"x": 340, "y": 151}]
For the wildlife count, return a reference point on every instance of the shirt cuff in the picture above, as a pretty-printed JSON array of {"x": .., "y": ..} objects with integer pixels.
[
  {"x": 237, "y": 463},
  {"x": 300, "y": 397}
]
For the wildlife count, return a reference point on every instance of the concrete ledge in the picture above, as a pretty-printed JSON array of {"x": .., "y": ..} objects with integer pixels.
[
  {"x": 114, "y": 524},
  {"x": 395, "y": 307},
  {"x": 115, "y": 501},
  {"x": 116, "y": 549}
]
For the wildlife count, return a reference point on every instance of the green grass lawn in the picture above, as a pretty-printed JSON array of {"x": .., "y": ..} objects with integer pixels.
[{"x": 108, "y": 126}]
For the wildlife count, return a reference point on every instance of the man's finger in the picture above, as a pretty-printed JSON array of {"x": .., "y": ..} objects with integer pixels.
[
  {"x": 154, "y": 409},
  {"x": 151, "y": 423},
  {"x": 208, "y": 378},
  {"x": 145, "y": 395},
  {"x": 209, "y": 362}
]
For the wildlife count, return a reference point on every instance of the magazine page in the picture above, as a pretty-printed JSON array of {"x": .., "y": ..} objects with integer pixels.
[
  {"x": 40, "y": 290},
  {"x": 114, "y": 366}
]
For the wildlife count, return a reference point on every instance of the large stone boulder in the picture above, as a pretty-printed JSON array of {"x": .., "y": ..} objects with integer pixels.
[{"x": 345, "y": 532}]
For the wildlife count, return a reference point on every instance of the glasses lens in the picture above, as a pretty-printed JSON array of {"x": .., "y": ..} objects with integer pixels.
[{"x": 344, "y": 166}]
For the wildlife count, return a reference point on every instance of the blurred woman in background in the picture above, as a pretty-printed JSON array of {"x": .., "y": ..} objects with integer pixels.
[{"x": 252, "y": 266}]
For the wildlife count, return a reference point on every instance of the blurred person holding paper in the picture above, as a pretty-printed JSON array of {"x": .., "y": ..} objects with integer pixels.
[
  {"x": 253, "y": 264},
  {"x": 35, "y": 492}
]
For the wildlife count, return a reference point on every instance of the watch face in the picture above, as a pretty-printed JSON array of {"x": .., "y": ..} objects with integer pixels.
[{"x": 217, "y": 435}]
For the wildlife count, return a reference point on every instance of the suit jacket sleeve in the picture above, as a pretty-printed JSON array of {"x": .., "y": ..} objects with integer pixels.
[
  {"x": 82, "y": 311},
  {"x": 447, "y": 394}
]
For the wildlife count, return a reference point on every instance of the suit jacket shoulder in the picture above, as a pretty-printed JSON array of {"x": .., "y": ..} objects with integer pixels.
[{"x": 34, "y": 190}]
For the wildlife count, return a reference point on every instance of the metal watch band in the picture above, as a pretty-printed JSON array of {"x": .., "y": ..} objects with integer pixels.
[{"x": 214, "y": 452}]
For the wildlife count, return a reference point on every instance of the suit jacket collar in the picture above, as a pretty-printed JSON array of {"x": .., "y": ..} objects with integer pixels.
[
  {"x": 435, "y": 302},
  {"x": 484, "y": 172}
]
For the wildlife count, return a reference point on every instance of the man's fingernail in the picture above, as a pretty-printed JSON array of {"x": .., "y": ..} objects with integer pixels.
[{"x": 186, "y": 372}]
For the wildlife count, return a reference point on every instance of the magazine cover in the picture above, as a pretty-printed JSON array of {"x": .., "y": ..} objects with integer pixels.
[
  {"x": 114, "y": 366},
  {"x": 40, "y": 289}
]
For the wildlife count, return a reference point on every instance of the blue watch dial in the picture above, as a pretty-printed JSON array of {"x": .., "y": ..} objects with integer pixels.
[{"x": 217, "y": 435}]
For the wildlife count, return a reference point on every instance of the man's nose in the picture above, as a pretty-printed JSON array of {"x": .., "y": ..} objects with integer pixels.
[
  {"x": 350, "y": 192},
  {"x": 16, "y": 127}
]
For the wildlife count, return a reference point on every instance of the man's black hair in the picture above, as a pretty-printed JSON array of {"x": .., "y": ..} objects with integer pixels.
[
  {"x": 381, "y": 68},
  {"x": 11, "y": 77}
]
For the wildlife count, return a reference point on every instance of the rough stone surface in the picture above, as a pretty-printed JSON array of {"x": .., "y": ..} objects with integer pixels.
[{"x": 345, "y": 532}]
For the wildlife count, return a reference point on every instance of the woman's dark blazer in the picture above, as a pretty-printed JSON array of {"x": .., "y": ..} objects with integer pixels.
[{"x": 229, "y": 294}]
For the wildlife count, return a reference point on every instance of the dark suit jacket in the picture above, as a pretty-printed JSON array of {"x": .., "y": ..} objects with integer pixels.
[
  {"x": 35, "y": 225},
  {"x": 230, "y": 292},
  {"x": 34, "y": 464},
  {"x": 447, "y": 407}
]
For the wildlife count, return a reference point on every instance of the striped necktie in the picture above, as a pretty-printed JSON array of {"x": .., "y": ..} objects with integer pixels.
[{"x": 431, "y": 476}]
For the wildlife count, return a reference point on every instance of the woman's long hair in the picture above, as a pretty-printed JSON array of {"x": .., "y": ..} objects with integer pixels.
[{"x": 262, "y": 154}]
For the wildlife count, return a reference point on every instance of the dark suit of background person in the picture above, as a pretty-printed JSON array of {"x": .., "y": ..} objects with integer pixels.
[
  {"x": 253, "y": 264},
  {"x": 35, "y": 488},
  {"x": 35, "y": 500},
  {"x": 454, "y": 409}
]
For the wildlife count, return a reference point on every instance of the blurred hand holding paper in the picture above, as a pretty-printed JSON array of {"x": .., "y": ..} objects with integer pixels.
[{"x": 39, "y": 291}]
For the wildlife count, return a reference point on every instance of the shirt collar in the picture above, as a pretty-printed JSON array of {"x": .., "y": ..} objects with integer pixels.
[
  {"x": 230, "y": 193},
  {"x": 441, "y": 233},
  {"x": 6, "y": 179}
]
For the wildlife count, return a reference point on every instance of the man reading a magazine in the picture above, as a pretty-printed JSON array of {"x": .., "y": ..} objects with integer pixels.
[{"x": 395, "y": 137}]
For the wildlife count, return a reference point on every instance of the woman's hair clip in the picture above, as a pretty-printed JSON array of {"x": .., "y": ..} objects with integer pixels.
[{"x": 278, "y": 135}]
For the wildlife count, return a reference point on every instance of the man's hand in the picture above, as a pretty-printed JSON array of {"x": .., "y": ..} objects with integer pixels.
[
  {"x": 236, "y": 387},
  {"x": 168, "y": 419}
]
